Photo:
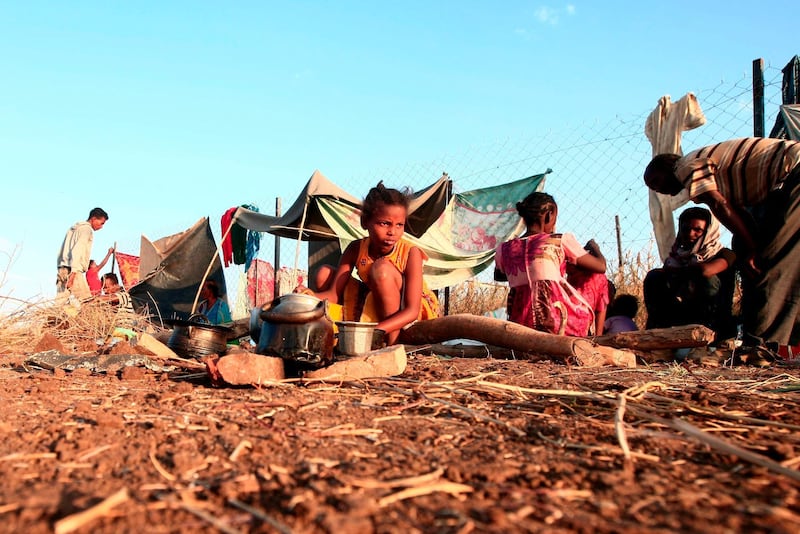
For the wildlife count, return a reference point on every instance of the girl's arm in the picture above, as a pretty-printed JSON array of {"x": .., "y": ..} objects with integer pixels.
[
  {"x": 105, "y": 260},
  {"x": 335, "y": 291},
  {"x": 412, "y": 297},
  {"x": 594, "y": 260}
]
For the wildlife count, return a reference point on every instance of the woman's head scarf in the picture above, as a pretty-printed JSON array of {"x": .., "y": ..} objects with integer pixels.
[{"x": 704, "y": 249}]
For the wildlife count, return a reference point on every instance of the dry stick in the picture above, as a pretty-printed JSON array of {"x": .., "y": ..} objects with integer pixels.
[
  {"x": 274, "y": 523},
  {"x": 205, "y": 516},
  {"x": 16, "y": 456},
  {"x": 393, "y": 483},
  {"x": 10, "y": 507},
  {"x": 448, "y": 487},
  {"x": 729, "y": 448},
  {"x": 244, "y": 444},
  {"x": 94, "y": 452},
  {"x": 619, "y": 426},
  {"x": 471, "y": 412},
  {"x": 725, "y": 415},
  {"x": 598, "y": 396},
  {"x": 160, "y": 468},
  {"x": 76, "y": 521},
  {"x": 475, "y": 414}
]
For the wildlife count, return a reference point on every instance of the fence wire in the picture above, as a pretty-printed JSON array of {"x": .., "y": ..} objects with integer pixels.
[{"x": 596, "y": 168}]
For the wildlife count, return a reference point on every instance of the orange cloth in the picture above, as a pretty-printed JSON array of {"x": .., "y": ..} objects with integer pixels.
[{"x": 358, "y": 303}]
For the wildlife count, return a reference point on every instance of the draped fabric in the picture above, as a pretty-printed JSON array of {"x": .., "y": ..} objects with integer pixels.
[
  {"x": 704, "y": 249},
  {"x": 484, "y": 218},
  {"x": 252, "y": 243},
  {"x": 128, "y": 268},
  {"x": 333, "y": 214},
  {"x": 663, "y": 129},
  {"x": 172, "y": 269},
  {"x": 227, "y": 240},
  {"x": 540, "y": 296}
]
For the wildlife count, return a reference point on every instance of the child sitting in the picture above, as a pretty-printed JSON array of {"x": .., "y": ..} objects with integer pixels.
[
  {"x": 534, "y": 265},
  {"x": 621, "y": 313},
  {"x": 389, "y": 289}
]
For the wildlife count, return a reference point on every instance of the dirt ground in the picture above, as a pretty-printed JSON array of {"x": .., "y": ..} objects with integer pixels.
[{"x": 452, "y": 445}]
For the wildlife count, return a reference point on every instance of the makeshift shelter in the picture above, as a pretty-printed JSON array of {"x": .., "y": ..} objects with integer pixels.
[
  {"x": 791, "y": 121},
  {"x": 171, "y": 270},
  {"x": 304, "y": 218},
  {"x": 787, "y": 123},
  {"x": 323, "y": 211}
]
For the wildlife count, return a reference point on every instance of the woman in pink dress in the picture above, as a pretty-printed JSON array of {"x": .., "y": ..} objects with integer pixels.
[{"x": 535, "y": 265}]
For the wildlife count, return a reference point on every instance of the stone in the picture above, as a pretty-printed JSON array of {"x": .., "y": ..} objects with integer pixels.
[
  {"x": 388, "y": 361},
  {"x": 249, "y": 369}
]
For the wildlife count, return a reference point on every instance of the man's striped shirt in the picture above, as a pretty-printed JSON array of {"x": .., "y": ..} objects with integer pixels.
[{"x": 744, "y": 171}]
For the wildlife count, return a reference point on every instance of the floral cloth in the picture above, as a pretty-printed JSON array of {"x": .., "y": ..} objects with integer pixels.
[{"x": 540, "y": 296}]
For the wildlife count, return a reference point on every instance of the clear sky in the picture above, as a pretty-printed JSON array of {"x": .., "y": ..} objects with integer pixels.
[{"x": 166, "y": 112}]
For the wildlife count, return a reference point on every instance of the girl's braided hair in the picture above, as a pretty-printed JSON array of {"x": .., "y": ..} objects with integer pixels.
[
  {"x": 535, "y": 206},
  {"x": 380, "y": 195}
]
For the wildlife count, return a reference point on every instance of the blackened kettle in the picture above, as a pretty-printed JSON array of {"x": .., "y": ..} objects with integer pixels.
[{"x": 296, "y": 327}]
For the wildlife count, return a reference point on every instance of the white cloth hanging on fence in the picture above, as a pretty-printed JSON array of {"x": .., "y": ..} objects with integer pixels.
[{"x": 663, "y": 128}]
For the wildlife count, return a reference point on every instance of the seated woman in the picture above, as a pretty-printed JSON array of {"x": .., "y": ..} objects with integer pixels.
[
  {"x": 390, "y": 289},
  {"x": 212, "y": 306},
  {"x": 695, "y": 285}
]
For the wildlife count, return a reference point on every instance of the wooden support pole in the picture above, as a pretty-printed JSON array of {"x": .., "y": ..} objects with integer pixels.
[{"x": 276, "y": 284}]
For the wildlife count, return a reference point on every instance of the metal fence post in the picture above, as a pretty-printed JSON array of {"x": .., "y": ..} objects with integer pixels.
[{"x": 758, "y": 97}]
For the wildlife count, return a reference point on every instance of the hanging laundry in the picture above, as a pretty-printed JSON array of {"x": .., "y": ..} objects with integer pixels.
[
  {"x": 238, "y": 243},
  {"x": 663, "y": 128},
  {"x": 253, "y": 242},
  {"x": 227, "y": 243}
]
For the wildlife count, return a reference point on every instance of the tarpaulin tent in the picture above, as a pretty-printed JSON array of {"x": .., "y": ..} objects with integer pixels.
[
  {"x": 332, "y": 214},
  {"x": 171, "y": 269},
  {"x": 791, "y": 120},
  {"x": 304, "y": 219},
  {"x": 477, "y": 212}
]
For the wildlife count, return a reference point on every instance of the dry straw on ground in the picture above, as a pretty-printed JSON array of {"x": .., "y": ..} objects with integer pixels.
[
  {"x": 477, "y": 298},
  {"x": 78, "y": 330}
]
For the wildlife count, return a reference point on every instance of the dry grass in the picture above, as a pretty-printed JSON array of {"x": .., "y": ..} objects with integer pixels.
[
  {"x": 78, "y": 330},
  {"x": 477, "y": 298}
]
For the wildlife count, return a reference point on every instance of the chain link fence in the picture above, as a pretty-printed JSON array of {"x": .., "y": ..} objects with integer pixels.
[{"x": 596, "y": 167}]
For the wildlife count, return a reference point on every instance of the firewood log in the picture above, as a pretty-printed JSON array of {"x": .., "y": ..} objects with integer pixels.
[{"x": 492, "y": 331}]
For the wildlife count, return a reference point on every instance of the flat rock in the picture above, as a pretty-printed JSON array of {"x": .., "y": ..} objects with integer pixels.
[
  {"x": 154, "y": 346},
  {"x": 389, "y": 361},
  {"x": 249, "y": 369}
]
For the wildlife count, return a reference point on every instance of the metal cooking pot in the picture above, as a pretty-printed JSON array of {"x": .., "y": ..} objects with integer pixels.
[
  {"x": 294, "y": 327},
  {"x": 196, "y": 337}
]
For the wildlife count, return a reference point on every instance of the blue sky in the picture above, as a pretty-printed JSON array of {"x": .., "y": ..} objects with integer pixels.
[{"x": 166, "y": 112}]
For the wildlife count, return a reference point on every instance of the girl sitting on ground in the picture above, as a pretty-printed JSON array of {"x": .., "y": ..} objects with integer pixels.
[
  {"x": 389, "y": 288},
  {"x": 534, "y": 265}
]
